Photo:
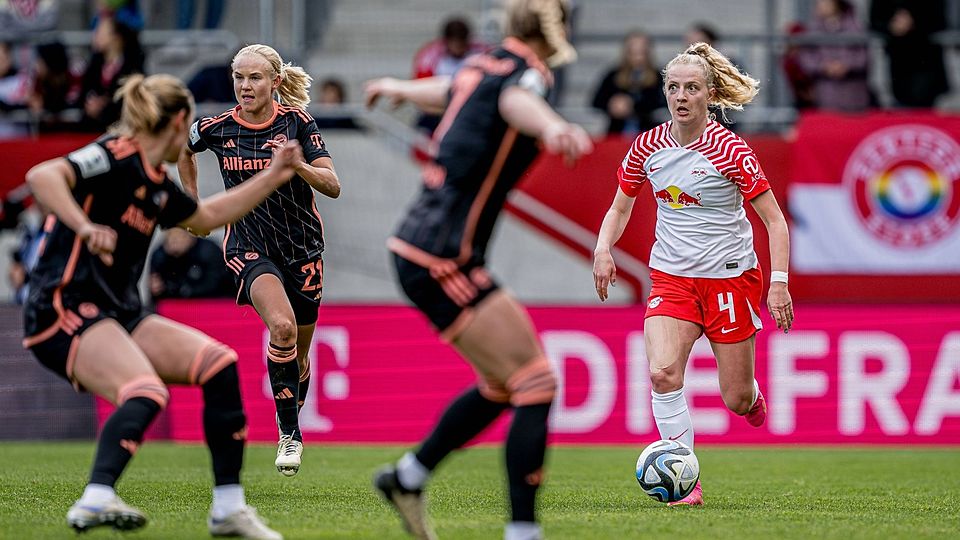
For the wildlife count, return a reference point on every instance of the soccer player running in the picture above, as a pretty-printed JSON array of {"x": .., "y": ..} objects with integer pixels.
[
  {"x": 275, "y": 252},
  {"x": 493, "y": 114},
  {"x": 84, "y": 319},
  {"x": 706, "y": 278}
]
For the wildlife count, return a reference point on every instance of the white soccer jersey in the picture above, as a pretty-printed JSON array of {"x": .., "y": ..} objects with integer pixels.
[{"x": 702, "y": 229}]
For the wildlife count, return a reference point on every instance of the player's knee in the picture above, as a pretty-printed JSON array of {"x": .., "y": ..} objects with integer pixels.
[
  {"x": 283, "y": 332},
  {"x": 534, "y": 383},
  {"x": 739, "y": 402},
  {"x": 147, "y": 387},
  {"x": 665, "y": 380},
  {"x": 212, "y": 359}
]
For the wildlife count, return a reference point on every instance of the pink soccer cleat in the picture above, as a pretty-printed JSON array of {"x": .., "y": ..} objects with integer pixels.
[
  {"x": 758, "y": 413},
  {"x": 695, "y": 498}
]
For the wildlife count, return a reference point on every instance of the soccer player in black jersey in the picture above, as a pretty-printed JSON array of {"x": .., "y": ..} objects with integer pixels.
[
  {"x": 494, "y": 113},
  {"x": 84, "y": 319},
  {"x": 275, "y": 251}
]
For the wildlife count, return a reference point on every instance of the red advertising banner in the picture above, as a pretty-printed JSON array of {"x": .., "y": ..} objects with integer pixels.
[{"x": 844, "y": 374}]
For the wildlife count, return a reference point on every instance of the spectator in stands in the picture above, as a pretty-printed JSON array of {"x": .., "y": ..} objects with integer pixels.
[
  {"x": 332, "y": 92},
  {"x": 443, "y": 57},
  {"x": 330, "y": 113},
  {"x": 801, "y": 84},
  {"x": 126, "y": 12},
  {"x": 13, "y": 83},
  {"x": 25, "y": 256},
  {"x": 837, "y": 69},
  {"x": 917, "y": 73},
  {"x": 185, "y": 266},
  {"x": 116, "y": 54},
  {"x": 54, "y": 86},
  {"x": 630, "y": 93},
  {"x": 19, "y": 18},
  {"x": 701, "y": 32},
  {"x": 187, "y": 8}
]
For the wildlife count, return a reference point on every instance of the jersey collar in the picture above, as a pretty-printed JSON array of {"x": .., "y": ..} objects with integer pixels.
[{"x": 248, "y": 125}]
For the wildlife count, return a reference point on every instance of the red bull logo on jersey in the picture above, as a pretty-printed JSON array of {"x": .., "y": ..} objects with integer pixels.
[
  {"x": 237, "y": 163},
  {"x": 676, "y": 198},
  {"x": 903, "y": 182}
]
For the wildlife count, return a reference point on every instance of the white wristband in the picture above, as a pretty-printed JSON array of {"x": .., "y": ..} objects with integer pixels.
[{"x": 778, "y": 276}]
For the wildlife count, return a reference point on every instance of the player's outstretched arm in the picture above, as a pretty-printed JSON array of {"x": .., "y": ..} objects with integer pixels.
[
  {"x": 614, "y": 222},
  {"x": 430, "y": 95},
  {"x": 187, "y": 167},
  {"x": 529, "y": 114},
  {"x": 51, "y": 183},
  {"x": 778, "y": 298},
  {"x": 236, "y": 202}
]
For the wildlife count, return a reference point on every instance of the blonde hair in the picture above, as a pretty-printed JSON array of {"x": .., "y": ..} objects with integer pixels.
[
  {"x": 148, "y": 103},
  {"x": 295, "y": 83},
  {"x": 732, "y": 88},
  {"x": 542, "y": 19}
]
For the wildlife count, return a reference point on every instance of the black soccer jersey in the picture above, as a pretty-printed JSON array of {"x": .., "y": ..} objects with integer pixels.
[
  {"x": 479, "y": 159},
  {"x": 287, "y": 225},
  {"x": 118, "y": 188}
]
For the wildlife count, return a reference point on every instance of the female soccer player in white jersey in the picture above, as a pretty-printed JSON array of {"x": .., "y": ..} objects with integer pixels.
[
  {"x": 275, "y": 251},
  {"x": 706, "y": 278}
]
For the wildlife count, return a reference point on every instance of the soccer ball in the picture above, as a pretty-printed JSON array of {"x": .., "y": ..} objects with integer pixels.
[{"x": 667, "y": 470}]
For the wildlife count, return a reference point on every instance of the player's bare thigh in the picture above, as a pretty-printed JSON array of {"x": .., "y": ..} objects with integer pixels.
[
  {"x": 499, "y": 338},
  {"x": 735, "y": 364},
  {"x": 172, "y": 348},
  {"x": 668, "y": 343},
  {"x": 270, "y": 300},
  {"x": 108, "y": 358}
]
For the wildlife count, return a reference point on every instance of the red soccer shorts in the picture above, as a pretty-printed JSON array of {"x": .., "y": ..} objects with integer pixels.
[{"x": 727, "y": 309}]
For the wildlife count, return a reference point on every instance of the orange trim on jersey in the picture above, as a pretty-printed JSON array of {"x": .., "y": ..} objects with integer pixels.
[
  {"x": 459, "y": 324},
  {"x": 413, "y": 254},
  {"x": 156, "y": 174},
  {"x": 316, "y": 212},
  {"x": 521, "y": 49},
  {"x": 30, "y": 341},
  {"x": 71, "y": 264},
  {"x": 235, "y": 114},
  {"x": 299, "y": 112},
  {"x": 466, "y": 244},
  {"x": 464, "y": 85},
  {"x": 208, "y": 122}
]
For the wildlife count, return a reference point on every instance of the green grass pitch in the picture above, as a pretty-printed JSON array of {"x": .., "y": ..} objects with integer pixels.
[{"x": 591, "y": 492}]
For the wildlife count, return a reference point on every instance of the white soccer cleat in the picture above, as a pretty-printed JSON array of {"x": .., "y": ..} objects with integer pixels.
[
  {"x": 410, "y": 504},
  {"x": 244, "y": 523},
  {"x": 115, "y": 513},
  {"x": 289, "y": 452}
]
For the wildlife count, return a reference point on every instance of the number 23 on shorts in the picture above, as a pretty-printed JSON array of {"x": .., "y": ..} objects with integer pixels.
[{"x": 314, "y": 272}]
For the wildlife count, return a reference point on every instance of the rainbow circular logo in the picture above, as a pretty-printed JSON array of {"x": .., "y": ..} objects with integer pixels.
[{"x": 903, "y": 180}]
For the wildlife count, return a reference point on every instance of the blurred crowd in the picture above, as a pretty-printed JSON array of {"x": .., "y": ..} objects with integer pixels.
[{"x": 826, "y": 62}]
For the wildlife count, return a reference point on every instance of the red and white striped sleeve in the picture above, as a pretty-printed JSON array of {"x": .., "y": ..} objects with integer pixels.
[
  {"x": 737, "y": 162},
  {"x": 631, "y": 174}
]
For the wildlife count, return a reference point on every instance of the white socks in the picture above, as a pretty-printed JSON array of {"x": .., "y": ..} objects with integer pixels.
[
  {"x": 227, "y": 499},
  {"x": 672, "y": 417},
  {"x": 97, "y": 495},
  {"x": 522, "y": 530},
  {"x": 411, "y": 473},
  {"x": 756, "y": 392}
]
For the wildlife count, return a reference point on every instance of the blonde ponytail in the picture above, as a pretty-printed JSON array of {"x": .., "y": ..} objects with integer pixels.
[
  {"x": 732, "y": 88},
  {"x": 294, "y": 89},
  {"x": 148, "y": 103}
]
